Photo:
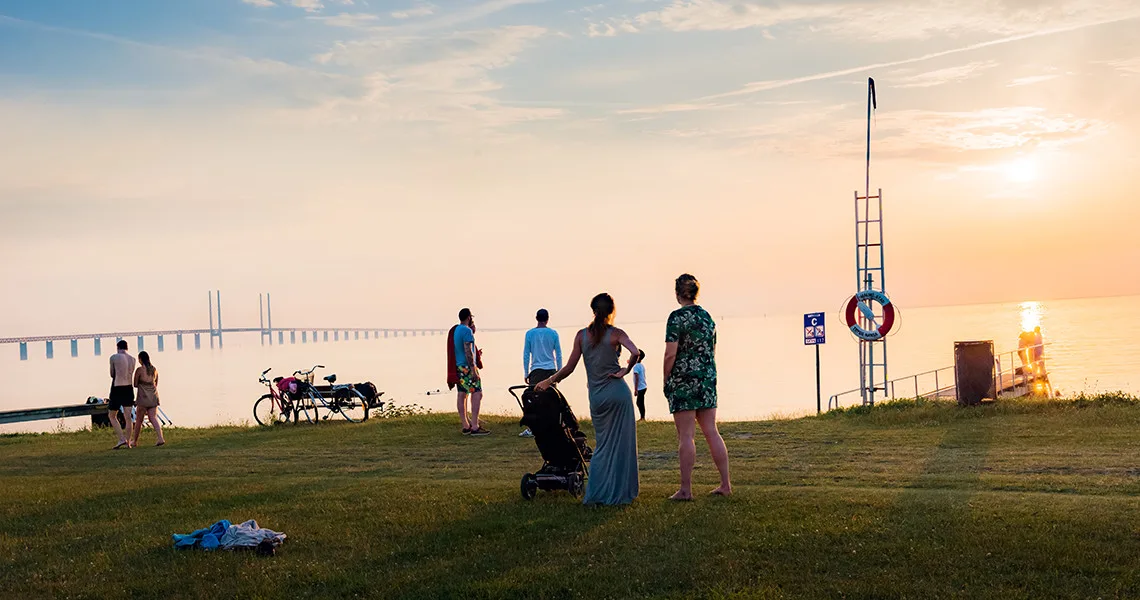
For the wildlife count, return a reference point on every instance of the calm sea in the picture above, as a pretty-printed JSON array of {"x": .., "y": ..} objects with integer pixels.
[{"x": 765, "y": 370}]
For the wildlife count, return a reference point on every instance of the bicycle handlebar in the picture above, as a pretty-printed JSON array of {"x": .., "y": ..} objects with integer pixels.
[{"x": 309, "y": 372}]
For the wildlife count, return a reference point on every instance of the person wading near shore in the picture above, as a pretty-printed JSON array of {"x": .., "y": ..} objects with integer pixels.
[
  {"x": 122, "y": 393},
  {"x": 542, "y": 353},
  {"x": 463, "y": 373},
  {"x": 146, "y": 380}
]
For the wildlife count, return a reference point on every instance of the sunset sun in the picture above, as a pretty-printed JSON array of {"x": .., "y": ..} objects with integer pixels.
[{"x": 1021, "y": 170}]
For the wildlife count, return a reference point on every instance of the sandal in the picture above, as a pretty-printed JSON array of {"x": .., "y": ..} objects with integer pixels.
[{"x": 120, "y": 445}]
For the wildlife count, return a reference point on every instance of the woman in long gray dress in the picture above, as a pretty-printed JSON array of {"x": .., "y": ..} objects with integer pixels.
[{"x": 613, "y": 468}]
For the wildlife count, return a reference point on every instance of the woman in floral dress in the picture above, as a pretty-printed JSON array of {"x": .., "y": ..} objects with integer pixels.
[{"x": 690, "y": 385}]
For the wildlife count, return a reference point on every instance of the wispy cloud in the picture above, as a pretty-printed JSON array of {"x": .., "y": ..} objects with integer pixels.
[
  {"x": 309, "y": 5},
  {"x": 944, "y": 76},
  {"x": 422, "y": 10},
  {"x": 1129, "y": 66},
  {"x": 446, "y": 80},
  {"x": 1032, "y": 79},
  {"x": 610, "y": 28},
  {"x": 353, "y": 20},
  {"x": 877, "y": 20},
  {"x": 261, "y": 3},
  {"x": 761, "y": 86}
]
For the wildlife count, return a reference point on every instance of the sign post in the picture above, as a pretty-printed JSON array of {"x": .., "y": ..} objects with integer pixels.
[{"x": 814, "y": 335}]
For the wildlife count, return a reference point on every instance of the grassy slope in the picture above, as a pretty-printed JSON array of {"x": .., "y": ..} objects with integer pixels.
[{"x": 1019, "y": 500}]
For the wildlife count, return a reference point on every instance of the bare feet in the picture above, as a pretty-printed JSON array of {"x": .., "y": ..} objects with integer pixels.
[
  {"x": 721, "y": 491},
  {"x": 681, "y": 497}
]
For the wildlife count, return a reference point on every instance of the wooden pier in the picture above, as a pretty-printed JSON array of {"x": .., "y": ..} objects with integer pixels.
[{"x": 53, "y": 412}]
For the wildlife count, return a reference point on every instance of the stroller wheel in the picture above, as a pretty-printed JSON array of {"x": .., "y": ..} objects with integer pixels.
[
  {"x": 528, "y": 486},
  {"x": 574, "y": 484}
]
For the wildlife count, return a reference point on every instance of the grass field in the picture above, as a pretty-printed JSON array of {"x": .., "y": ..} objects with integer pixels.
[{"x": 1025, "y": 499}]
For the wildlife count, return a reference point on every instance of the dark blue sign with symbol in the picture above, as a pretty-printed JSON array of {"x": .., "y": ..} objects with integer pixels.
[{"x": 813, "y": 329}]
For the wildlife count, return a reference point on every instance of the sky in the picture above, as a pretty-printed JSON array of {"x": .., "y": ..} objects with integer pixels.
[{"x": 374, "y": 163}]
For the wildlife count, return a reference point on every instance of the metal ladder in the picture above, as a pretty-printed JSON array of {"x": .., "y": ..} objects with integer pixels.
[{"x": 870, "y": 275}]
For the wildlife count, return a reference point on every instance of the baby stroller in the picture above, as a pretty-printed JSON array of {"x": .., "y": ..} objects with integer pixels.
[{"x": 563, "y": 448}]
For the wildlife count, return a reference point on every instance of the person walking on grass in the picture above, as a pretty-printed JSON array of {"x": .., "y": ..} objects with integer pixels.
[
  {"x": 122, "y": 393},
  {"x": 613, "y": 467},
  {"x": 463, "y": 373},
  {"x": 690, "y": 385},
  {"x": 639, "y": 385},
  {"x": 542, "y": 353},
  {"x": 146, "y": 402}
]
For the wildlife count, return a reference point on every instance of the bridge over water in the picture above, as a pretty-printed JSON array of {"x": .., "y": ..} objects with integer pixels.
[{"x": 215, "y": 333}]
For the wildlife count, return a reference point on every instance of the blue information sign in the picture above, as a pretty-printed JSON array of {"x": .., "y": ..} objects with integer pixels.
[{"x": 813, "y": 329}]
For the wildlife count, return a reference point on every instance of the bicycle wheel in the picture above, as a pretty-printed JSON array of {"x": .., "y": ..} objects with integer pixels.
[
  {"x": 353, "y": 406},
  {"x": 302, "y": 410},
  {"x": 268, "y": 412}
]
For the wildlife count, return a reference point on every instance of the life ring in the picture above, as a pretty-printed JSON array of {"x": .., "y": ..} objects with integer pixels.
[{"x": 853, "y": 307}]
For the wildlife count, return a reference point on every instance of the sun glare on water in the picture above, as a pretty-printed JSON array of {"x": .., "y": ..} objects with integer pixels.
[{"x": 1031, "y": 313}]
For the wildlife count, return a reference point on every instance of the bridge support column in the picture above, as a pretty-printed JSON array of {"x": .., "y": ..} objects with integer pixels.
[
  {"x": 365, "y": 335},
  {"x": 356, "y": 335},
  {"x": 304, "y": 337},
  {"x": 280, "y": 337},
  {"x": 197, "y": 341},
  {"x": 336, "y": 336},
  {"x": 178, "y": 341},
  {"x": 161, "y": 345},
  {"x": 314, "y": 337},
  {"x": 140, "y": 347},
  {"x": 292, "y": 337},
  {"x": 74, "y": 348},
  {"x": 326, "y": 336},
  {"x": 98, "y": 347},
  {"x": 23, "y": 351},
  {"x": 50, "y": 350}
]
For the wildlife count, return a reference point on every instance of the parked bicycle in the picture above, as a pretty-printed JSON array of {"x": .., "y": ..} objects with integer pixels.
[
  {"x": 277, "y": 406},
  {"x": 343, "y": 399}
]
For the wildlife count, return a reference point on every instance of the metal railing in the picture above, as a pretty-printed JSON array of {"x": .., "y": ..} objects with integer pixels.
[{"x": 1010, "y": 374}]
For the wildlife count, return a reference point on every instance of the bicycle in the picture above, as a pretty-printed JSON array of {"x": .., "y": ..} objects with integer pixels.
[
  {"x": 276, "y": 406},
  {"x": 343, "y": 399}
]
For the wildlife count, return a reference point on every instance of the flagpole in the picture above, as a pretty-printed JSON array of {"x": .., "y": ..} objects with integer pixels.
[{"x": 872, "y": 103}]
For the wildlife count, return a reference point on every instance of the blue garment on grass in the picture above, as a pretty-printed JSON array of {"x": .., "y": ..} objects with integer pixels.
[{"x": 207, "y": 539}]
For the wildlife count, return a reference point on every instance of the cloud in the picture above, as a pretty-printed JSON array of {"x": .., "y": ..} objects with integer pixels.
[
  {"x": 1033, "y": 79},
  {"x": 446, "y": 80},
  {"x": 880, "y": 20},
  {"x": 308, "y": 5},
  {"x": 944, "y": 76},
  {"x": 610, "y": 28},
  {"x": 943, "y": 136},
  {"x": 771, "y": 84},
  {"x": 1128, "y": 66},
  {"x": 261, "y": 3},
  {"x": 422, "y": 10},
  {"x": 352, "y": 20}
]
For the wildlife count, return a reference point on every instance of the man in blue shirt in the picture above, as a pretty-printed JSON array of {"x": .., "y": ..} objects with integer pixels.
[
  {"x": 467, "y": 371},
  {"x": 542, "y": 353}
]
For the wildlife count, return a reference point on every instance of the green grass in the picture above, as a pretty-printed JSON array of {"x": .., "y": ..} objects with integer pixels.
[{"x": 1024, "y": 499}]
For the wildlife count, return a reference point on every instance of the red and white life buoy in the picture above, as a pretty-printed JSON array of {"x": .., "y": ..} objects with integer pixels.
[{"x": 858, "y": 304}]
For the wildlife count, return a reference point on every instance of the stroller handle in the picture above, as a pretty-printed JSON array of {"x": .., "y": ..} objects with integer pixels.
[{"x": 513, "y": 389}]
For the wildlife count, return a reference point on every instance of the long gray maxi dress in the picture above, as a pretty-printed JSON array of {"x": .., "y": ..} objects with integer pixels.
[{"x": 613, "y": 468}]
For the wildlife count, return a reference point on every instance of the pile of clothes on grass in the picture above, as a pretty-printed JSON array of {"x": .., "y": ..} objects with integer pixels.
[{"x": 227, "y": 536}]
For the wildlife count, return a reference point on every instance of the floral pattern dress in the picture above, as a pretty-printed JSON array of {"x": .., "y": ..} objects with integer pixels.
[{"x": 691, "y": 384}]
